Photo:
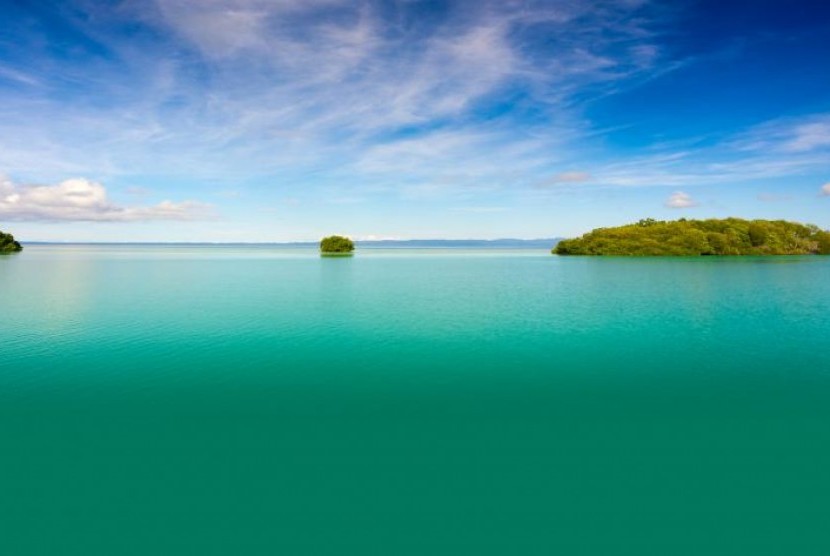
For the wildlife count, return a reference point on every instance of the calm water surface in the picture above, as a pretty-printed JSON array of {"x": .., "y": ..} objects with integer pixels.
[{"x": 252, "y": 400}]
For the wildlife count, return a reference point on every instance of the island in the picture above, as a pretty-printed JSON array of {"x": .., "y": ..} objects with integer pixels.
[
  {"x": 8, "y": 244},
  {"x": 336, "y": 246},
  {"x": 683, "y": 238}
]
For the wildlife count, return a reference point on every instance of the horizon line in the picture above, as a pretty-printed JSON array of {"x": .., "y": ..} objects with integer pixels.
[{"x": 299, "y": 242}]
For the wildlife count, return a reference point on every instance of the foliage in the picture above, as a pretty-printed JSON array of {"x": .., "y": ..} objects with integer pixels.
[
  {"x": 336, "y": 244},
  {"x": 729, "y": 236},
  {"x": 8, "y": 244}
]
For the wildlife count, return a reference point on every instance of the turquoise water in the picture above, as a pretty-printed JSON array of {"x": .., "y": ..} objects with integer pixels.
[{"x": 251, "y": 400}]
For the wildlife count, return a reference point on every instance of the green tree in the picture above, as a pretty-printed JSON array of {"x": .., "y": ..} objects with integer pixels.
[
  {"x": 823, "y": 242},
  {"x": 718, "y": 244},
  {"x": 757, "y": 234},
  {"x": 8, "y": 244},
  {"x": 336, "y": 244}
]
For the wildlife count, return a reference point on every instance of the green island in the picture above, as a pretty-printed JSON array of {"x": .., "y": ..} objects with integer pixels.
[
  {"x": 683, "y": 238},
  {"x": 8, "y": 244},
  {"x": 336, "y": 246}
]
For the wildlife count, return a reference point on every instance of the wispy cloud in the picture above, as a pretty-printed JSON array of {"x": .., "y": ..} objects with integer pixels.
[
  {"x": 774, "y": 197},
  {"x": 791, "y": 135},
  {"x": 763, "y": 152},
  {"x": 825, "y": 190},
  {"x": 235, "y": 89},
  {"x": 18, "y": 76},
  {"x": 83, "y": 200},
  {"x": 570, "y": 177}
]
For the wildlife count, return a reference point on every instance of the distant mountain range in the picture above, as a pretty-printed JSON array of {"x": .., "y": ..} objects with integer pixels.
[{"x": 507, "y": 243}]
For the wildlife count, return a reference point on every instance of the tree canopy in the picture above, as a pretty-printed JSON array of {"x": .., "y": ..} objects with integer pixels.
[
  {"x": 728, "y": 236},
  {"x": 8, "y": 244},
  {"x": 336, "y": 244}
]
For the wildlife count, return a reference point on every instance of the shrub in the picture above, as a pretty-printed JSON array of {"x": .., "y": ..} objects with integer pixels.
[{"x": 336, "y": 244}]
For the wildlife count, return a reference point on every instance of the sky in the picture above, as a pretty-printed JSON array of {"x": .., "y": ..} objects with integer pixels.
[{"x": 287, "y": 120}]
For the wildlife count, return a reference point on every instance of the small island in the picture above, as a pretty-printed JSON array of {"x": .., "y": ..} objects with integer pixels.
[
  {"x": 8, "y": 244},
  {"x": 336, "y": 246},
  {"x": 684, "y": 238}
]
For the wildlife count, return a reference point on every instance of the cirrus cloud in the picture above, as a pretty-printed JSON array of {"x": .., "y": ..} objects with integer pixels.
[{"x": 81, "y": 199}]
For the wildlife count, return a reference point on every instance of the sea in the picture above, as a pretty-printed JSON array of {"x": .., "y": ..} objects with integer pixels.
[{"x": 263, "y": 400}]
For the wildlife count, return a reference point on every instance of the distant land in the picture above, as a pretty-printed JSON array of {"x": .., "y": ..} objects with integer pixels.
[
  {"x": 506, "y": 243},
  {"x": 728, "y": 236}
]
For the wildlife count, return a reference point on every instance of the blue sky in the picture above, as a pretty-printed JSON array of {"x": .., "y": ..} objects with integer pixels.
[{"x": 283, "y": 120}]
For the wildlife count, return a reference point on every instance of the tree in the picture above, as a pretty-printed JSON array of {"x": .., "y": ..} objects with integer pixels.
[
  {"x": 8, "y": 244},
  {"x": 728, "y": 236},
  {"x": 336, "y": 245},
  {"x": 757, "y": 234},
  {"x": 823, "y": 241}
]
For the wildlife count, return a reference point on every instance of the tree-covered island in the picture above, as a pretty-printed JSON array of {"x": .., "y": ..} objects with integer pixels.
[
  {"x": 728, "y": 236},
  {"x": 336, "y": 245},
  {"x": 8, "y": 244}
]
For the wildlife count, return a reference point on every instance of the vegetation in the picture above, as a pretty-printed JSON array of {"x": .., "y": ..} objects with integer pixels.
[
  {"x": 336, "y": 245},
  {"x": 8, "y": 244},
  {"x": 729, "y": 236}
]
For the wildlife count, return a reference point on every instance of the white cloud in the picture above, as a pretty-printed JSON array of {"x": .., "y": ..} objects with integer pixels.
[
  {"x": 84, "y": 200},
  {"x": 825, "y": 190},
  {"x": 680, "y": 200}
]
